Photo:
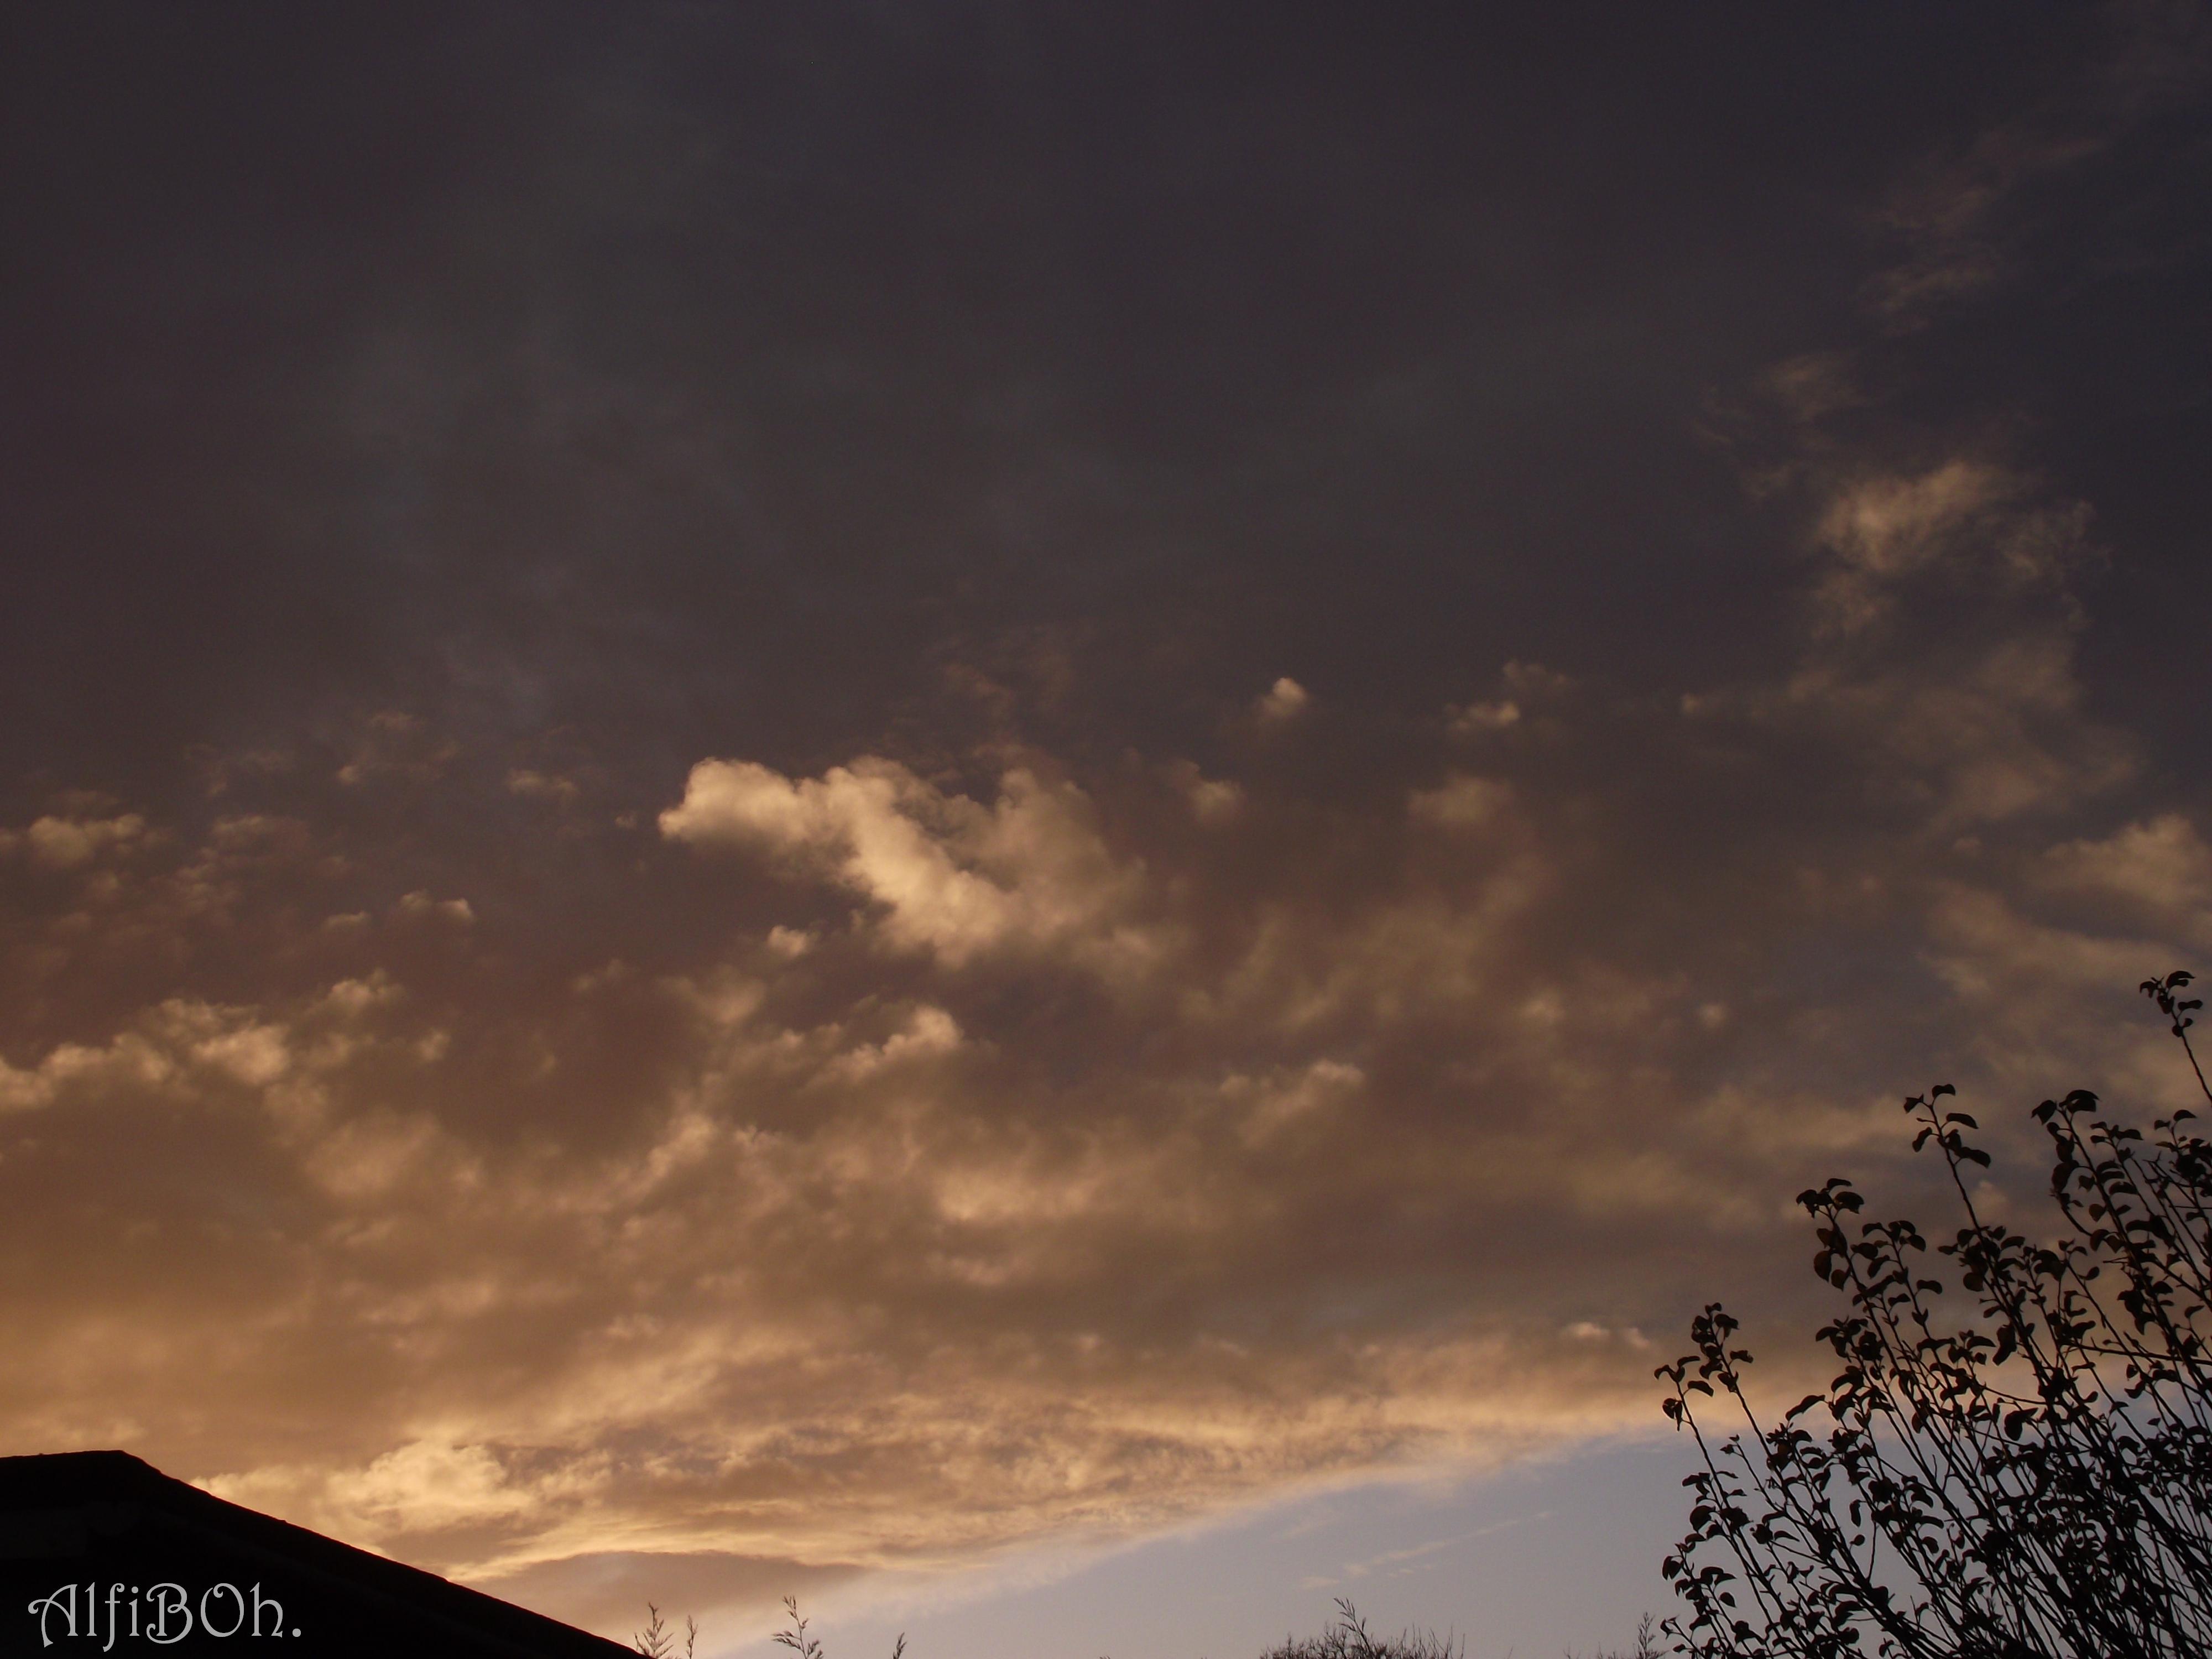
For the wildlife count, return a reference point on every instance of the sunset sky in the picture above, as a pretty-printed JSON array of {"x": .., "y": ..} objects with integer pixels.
[{"x": 1047, "y": 817}]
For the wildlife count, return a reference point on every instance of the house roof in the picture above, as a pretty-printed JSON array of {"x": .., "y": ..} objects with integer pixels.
[{"x": 102, "y": 1518}]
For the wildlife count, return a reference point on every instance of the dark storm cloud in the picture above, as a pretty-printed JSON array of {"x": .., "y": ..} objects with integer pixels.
[
  {"x": 567, "y": 358},
  {"x": 798, "y": 792}
]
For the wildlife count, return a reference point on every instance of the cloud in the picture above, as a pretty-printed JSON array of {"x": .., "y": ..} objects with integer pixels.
[
  {"x": 776, "y": 1313},
  {"x": 1964, "y": 517},
  {"x": 1213, "y": 801},
  {"x": 126, "y": 1059},
  {"x": 424, "y": 1486},
  {"x": 2161, "y": 866},
  {"x": 1814, "y": 385},
  {"x": 1283, "y": 701},
  {"x": 951, "y": 876},
  {"x": 420, "y": 906},
  {"x": 1959, "y": 220},
  {"x": 65, "y": 843},
  {"x": 541, "y": 785},
  {"x": 1275, "y": 1107},
  {"x": 395, "y": 745},
  {"x": 1532, "y": 692},
  {"x": 882, "y": 1172},
  {"x": 1463, "y": 803},
  {"x": 1478, "y": 717}
]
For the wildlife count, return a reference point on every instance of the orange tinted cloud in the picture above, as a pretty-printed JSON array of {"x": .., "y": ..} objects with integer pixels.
[{"x": 1039, "y": 1183}]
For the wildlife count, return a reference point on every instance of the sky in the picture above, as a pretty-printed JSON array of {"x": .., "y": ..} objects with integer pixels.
[{"x": 1045, "y": 819}]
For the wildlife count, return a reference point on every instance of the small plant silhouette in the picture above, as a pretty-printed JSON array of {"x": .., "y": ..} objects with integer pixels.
[
  {"x": 657, "y": 1641},
  {"x": 1348, "y": 1638},
  {"x": 794, "y": 1635},
  {"x": 2028, "y": 1479},
  {"x": 1647, "y": 1639}
]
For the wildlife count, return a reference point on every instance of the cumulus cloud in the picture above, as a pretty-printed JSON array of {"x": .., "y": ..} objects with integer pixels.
[
  {"x": 63, "y": 843},
  {"x": 1530, "y": 692},
  {"x": 127, "y": 1059},
  {"x": 950, "y": 875}
]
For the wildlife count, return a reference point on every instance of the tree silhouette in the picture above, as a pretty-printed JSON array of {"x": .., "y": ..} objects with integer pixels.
[{"x": 2026, "y": 1477}]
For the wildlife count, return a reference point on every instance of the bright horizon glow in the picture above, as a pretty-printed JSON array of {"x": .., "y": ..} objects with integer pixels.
[{"x": 1560, "y": 1553}]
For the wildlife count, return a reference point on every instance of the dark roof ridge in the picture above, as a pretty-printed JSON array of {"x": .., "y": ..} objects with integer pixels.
[{"x": 107, "y": 1492}]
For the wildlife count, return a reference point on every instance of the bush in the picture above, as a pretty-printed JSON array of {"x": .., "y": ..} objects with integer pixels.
[{"x": 2028, "y": 1478}]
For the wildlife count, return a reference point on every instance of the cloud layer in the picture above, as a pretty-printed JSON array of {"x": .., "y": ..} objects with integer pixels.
[{"x": 1058, "y": 1152}]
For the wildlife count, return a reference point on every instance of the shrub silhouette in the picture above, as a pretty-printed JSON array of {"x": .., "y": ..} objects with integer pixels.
[{"x": 2028, "y": 1478}]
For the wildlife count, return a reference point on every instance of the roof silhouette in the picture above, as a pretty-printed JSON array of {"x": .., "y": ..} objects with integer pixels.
[{"x": 112, "y": 1548}]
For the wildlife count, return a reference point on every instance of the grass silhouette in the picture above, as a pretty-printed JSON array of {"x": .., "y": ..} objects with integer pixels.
[{"x": 1348, "y": 1638}]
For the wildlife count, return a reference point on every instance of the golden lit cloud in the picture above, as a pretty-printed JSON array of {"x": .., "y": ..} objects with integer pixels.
[{"x": 881, "y": 1236}]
